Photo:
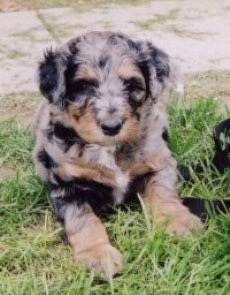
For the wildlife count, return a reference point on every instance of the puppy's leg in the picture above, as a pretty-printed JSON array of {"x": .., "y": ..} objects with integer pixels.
[
  {"x": 166, "y": 208},
  {"x": 42, "y": 161},
  {"x": 88, "y": 237}
]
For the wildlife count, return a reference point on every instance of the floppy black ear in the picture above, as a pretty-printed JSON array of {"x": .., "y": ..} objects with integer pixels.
[
  {"x": 159, "y": 70},
  {"x": 51, "y": 77},
  {"x": 162, "y": 69}
]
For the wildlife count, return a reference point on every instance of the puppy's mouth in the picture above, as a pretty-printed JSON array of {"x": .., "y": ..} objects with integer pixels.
[
  {"x": 111, "y": 127},
  {"x": 108, "y": 131}
]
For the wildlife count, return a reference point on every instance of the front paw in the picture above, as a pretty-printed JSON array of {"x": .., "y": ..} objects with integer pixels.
[
  {"x": 184, "y": 224},
  {"x": 178, "y": 220},
  {"x": 102, "y": 258}
]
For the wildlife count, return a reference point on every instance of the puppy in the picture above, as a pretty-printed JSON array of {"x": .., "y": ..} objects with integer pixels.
[{"x": 101, "y": 136}]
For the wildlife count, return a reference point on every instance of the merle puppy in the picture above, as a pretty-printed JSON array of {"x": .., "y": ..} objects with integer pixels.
[{"x": 100, "y": 133}]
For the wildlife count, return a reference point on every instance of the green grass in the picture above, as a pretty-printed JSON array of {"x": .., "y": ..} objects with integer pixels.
[{"x": 35, "y": 260}]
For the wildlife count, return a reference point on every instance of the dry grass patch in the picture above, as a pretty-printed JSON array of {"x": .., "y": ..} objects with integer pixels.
[
  {"x": 210, "y": 83},
  {"x": 22, "y": 107},
  {"x": 158, "y": 20},
  {"x": 184, "y": 33},
  {"x": 19, "y": 106},
  {"x": 6, "y": 171}
]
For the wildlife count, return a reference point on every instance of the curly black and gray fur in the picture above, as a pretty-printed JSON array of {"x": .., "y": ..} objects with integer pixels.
[{"x": 101, "y": 136}]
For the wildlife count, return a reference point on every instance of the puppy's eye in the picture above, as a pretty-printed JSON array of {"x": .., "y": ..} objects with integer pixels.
[
  {"x": 134, "y": 85},
  {"x": 135, "y": 89},
  {"x": 82, "y": 85}
]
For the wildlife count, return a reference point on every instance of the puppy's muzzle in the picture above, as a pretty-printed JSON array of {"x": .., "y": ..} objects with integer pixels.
[{"x": 111, "y": 127}]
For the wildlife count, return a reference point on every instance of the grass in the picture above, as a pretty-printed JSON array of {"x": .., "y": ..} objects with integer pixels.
[
  {"x": 11, "y": 53},
  {"x": 30, "y": 35},
  {"x": 158, "y": 20},
  {"x": 20, "y": 105},
  {"x": 184, "y": 33},
  {"x": 210, "y": 83},
  {"x": 56, "y": 30},
  {"x": 34, "y": 259}
]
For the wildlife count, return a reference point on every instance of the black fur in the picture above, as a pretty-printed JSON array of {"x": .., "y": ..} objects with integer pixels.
[
  {"x": 48, "y": 74},
  {"x": 135, "y": 46},
  {"x": 161, "y": 63},
  {"x": 143, "y": 66},
  {"x": 165, "y": 135},
  {"x": 137, "y": 185},
  {"x": 46, "y": 159},
  {"x": 76, "y": 88},
  {"x": 103, "y": 61},
  {"x": 134, "y": 105},
  {"x": 67, "y": 134},
  {"x": 132, "y": 87},
  {"x": 80, "y": 191}
]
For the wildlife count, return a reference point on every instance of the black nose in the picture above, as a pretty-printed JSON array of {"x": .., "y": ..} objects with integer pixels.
[{"x": 111, "y": 127}]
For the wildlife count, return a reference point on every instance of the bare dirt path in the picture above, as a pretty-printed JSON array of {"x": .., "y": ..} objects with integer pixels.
[{"x": 197, "y": 32}]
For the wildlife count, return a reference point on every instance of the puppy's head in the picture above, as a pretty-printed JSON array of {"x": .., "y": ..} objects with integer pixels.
[{"x": 103, "y": 81}]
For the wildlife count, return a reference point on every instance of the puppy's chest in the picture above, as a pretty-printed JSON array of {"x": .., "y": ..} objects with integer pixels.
[
  {"x": 103, "y": 156},
  {"x": 118, "y": 159},
  {"x": 128, "y": 167},
  {"x": 109, "y": 166},
  {"x": 106, "y": 158}
]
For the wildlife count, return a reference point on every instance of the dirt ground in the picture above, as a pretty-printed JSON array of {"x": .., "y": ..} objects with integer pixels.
[{"x": 194, "y": 32}]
